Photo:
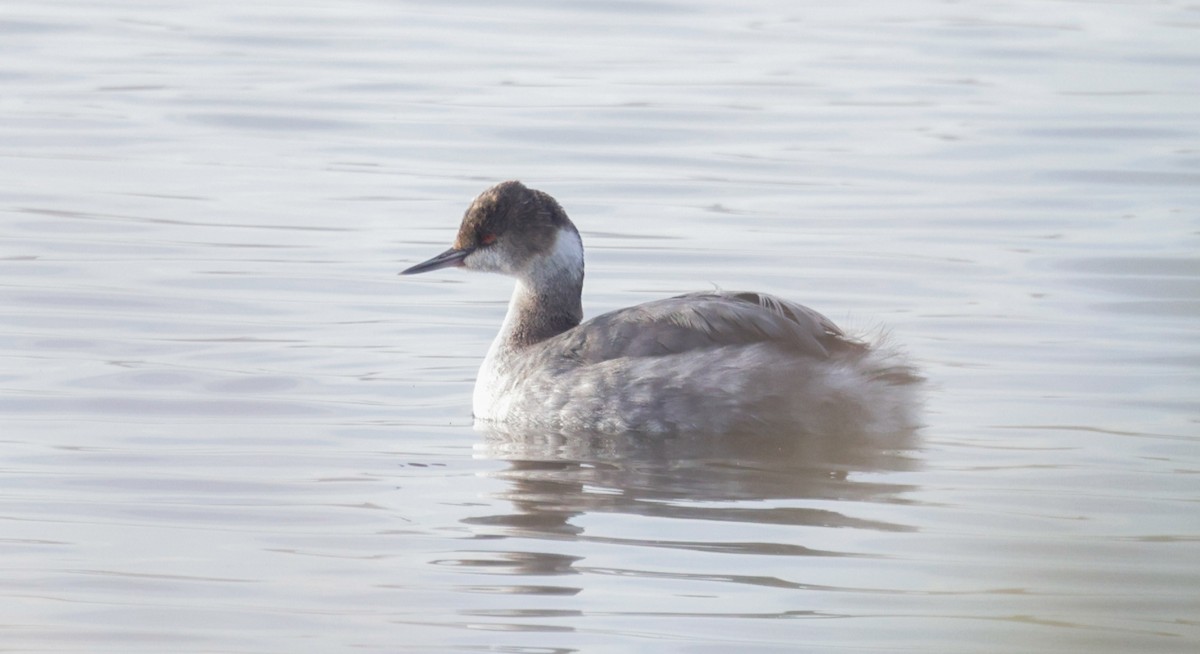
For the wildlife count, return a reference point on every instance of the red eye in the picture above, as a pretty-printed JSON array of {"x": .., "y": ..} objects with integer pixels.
[{"x": 487, "y": 238}]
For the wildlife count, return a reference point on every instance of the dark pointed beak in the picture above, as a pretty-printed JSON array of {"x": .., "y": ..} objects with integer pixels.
[{"x": 451, "y": 257}]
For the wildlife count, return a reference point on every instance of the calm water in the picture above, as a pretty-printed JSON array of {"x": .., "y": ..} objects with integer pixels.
[{"x": 228, "y": 426}]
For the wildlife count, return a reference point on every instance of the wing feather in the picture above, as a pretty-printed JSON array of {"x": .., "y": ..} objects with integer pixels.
[{"x": 707, "y": 320}]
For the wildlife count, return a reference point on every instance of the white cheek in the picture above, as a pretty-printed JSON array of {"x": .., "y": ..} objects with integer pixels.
[
  {"x": 563, "y": 260},
  {"x": 566, "y": 259},
  {"x": 487, "y": 260}
]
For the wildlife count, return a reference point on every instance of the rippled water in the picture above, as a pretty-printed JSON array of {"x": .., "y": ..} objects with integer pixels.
[{"x": 228, "y": 426}]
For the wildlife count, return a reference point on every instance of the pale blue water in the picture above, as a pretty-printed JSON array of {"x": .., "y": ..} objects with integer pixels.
[{"x": 226, "y": 425}]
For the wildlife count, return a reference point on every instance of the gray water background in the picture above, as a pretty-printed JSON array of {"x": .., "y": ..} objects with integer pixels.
[{"x": 226, "y": 425}]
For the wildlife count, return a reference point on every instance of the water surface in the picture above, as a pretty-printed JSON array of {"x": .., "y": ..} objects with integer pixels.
[{"x": 227, "y": 425}]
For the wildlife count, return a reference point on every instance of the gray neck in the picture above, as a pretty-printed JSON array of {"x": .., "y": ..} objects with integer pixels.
[
  {"x": 537, "y": 314},
  {"x": 547, "y": 299}
]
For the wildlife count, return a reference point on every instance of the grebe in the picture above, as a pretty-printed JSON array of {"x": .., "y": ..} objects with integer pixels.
[{"x": 711, "y": 362}]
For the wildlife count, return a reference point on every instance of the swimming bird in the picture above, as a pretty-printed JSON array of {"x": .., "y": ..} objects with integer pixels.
[{"x": 711, "y": 362}]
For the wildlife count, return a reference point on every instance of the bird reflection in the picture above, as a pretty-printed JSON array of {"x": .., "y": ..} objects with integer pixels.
[
  {"x": 733, "y": 485},
  {"x": 553, "y": 478}
]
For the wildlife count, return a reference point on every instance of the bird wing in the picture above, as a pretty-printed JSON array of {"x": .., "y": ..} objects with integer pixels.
[{"x": 707, "y": 320}]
